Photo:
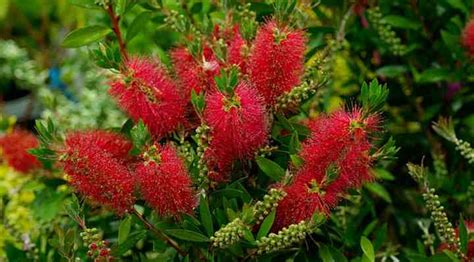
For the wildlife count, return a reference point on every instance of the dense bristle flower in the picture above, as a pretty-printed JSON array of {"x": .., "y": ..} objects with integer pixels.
[
  {"x": 15, "y": 146},
  {"x": 276, "y": 61},
  {"x": 238, "y": 123},
  {"x": 165, "y": 183},
  {"x": 302, "y": 200},
  {"x": 236, "y": 51},
  {"x": 468, "y": 37},
  {"x": 194, "y": 74},
  {"x": 95, "y": 162},
  {"x": 148, "y": 93},
  {"x": 336, "y": 158}
]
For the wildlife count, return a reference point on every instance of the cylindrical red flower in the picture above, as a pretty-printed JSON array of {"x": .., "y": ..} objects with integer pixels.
[
  {"x": 236, "y": 51},
  {"x": 239, "y": 125},
  {"x": 468, "y": 37},
  {"x": 195, "y": 74},
  {"x": 336, "y": 158},
  {"x": 276, "y": 61},
  {"x": 15, "y": 146},
  {"x": 302, "y": 200},
  {"x": 165, "y": 183},
  {"x": 148, "y": 93},
  {"x": 96, "y": 162}
]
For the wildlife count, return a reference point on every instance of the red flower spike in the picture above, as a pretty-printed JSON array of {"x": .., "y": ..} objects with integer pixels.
[
  {"x": 276, "y": 61},
  {"x": 166, "y": 185},
  {"x": 239, "y": 126},
  {"x": 15, "y": 146},
  {"x": 300, "y": 203},
  {"x": 96, "y": 164},
  {"x": 336, "y": 158},
  {"x": 197, "y": 75},
  {"x": 150, "y": 95},
  {"x": 236, "y": 48},
  {"x": 468, "y": 37}
]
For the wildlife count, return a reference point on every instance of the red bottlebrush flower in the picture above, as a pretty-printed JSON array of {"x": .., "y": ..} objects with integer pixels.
[
  {"x": 150, "y": 94},
  {"x": 276, "y": 61},
  {"x": 239, "y": 125},
  {"x": 468, "y": 37},
  {"x": 302, "y": 200},
  {"x": 192, "y": 74},
  {"x": 336, "y": 158},
  {"x": 166, "y": 185},
  {"x": 15, "y": 148},
  {"x": 236, "y": 48},
  {"x": 96, "y": 164}
]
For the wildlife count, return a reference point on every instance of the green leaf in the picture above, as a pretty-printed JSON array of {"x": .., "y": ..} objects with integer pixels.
[
  {"x": 4, "y": 8},
  {"x": 433, "y": 75},
  {"x": 249, "y": 236},
  {"x": 137, "y": 25},
  {"x": 266, "y": 225},
  {"x": 402, "y": 22},
  {"x": 325, "y": 254},
  {"x": 458, "y": 4},
  {"x": 381, "y": 173},
  {"x": 367, "y": 248},
  {"x": 270, "y": 168},
  {"x": 84, "y": 36},
  {"x": 198, "y": 101},
  {"x": 379, "y": 190},
  {"x": 206, "y": 218},
  {"x": 140, "y": 137},
  {"x": 463, "y": 235},
  {"x": 121, "y": 6},
  {"x": 391, "y": 70},
  {"x": 373, "y": 96},
  {"x": 294, "y": 143},
  {"x": 131, "y": 240},
  {"x": 187, "y": 235},
  {"x": 124, "y": 229}
]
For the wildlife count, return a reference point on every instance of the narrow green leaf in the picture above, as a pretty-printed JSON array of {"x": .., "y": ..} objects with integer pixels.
[
  {"x": 379, "y": 190},
  {"x": 206, "y": 218},
  {"x": 86, "y": 35},
  {"x": 124, "y": 229},
  {"x": 266, "y": 225},
  {"x": 121, "y": 6},
  {"x": 433, "y": 75},
  {"x": 270, "y": 168},
  {"x": 131, "y": 240},
  {"x": 463, "y": 235},
  {"x": 367, "y": 248},
  {"x": 402, "y": 22},
  {"x": 137, "y": 24},
  {"x": 325, "y": 254},
  {"x": 187, "y": 235}
]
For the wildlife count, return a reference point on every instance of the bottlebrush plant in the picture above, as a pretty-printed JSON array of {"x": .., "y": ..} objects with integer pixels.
[{"x": 259, "y": 132}]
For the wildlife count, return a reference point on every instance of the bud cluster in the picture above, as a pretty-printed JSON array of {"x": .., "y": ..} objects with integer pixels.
[
  {"x": 465, "y": 149},
  {"x": 443, "y": 226},
  {"x": 229, "y": 234},
  {"x": 98, "y": 249},
  {"x": 385, "y": 31},
  {"x": 285, "y": 238},
  {"x": 270, "y": 201},
  {"x": 202, "y": 138}
]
